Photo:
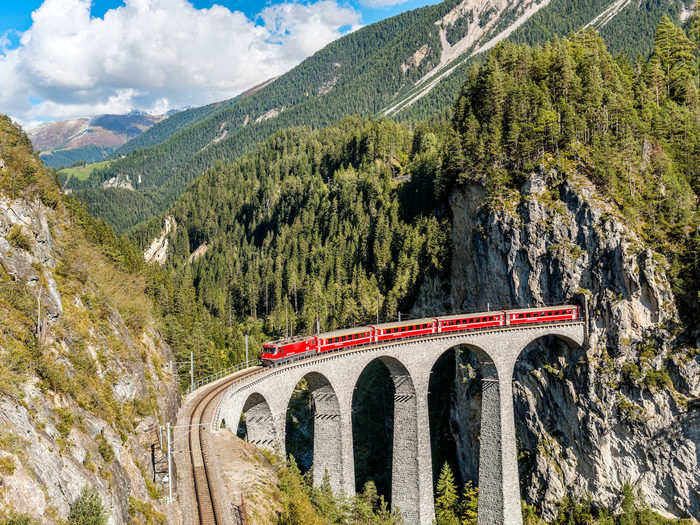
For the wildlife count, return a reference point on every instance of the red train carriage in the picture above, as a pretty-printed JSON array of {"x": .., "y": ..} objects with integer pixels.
[
  {"x": 299, "y": 347},
  {"x": 287, "y": 349},
  {"x": 542, "y": 315},
  {"x": 399, "y": 330},
  {"x": 340, "y": 339},
  {"x": 456, "y": 323}
]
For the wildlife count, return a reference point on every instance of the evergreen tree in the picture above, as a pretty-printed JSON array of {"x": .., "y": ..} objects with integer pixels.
[
  {"x": 88, "y": 509},
  {"x": 446, "y": 498},
  {"x": 469, "y": 505}
]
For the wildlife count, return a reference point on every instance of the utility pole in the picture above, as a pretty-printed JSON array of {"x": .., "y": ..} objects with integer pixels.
[
  {"x": 399, "y": 317},
  {"x": 377, "y": 307},
  {"x": 246, "y": 350},
  {"x": 191, "y": 371},
  {"x": 38, "y": 317},
  {"x": 170, "y": 468}
]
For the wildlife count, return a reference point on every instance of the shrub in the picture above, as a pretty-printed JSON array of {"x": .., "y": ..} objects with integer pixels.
[
  {"x": 7, "y": 465},
  {"x": 105, "y": 449},
  {"x": 18, "y": 519},
  {"x": 18, "y": 239},
  {"x": 87, "y": 509}
]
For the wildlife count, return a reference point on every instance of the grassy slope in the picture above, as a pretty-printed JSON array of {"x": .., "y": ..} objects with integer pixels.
[{"x": 82, "y": 172}]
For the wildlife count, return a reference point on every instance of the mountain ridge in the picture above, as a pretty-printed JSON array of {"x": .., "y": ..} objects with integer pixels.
[
  {"x": 350, "y": 75},
  {"x": 87, "y": 139}
]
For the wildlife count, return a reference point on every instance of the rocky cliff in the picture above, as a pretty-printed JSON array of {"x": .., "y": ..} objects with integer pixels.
[
  {"x": 84, "y": 375},
  {"x": 624, "y": 407}
]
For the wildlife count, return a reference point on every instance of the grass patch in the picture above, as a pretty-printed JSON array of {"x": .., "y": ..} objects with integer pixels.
[
  {"x": 82, "y": 172},
  {"x": 142, "y": 513}
]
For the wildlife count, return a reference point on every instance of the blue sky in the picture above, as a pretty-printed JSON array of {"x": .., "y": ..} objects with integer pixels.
[
  {"x": 69, "y": 58},
  {"x": 16, "y": 14}
]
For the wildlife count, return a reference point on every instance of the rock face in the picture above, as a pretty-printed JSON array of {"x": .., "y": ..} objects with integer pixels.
[
  {"x": 158, "y": 250},
  {"x": 588, "y": 420},
  {"x": 89, "y": 390}
]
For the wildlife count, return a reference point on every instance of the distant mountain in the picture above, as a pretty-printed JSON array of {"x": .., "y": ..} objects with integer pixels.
[
  {"x": 180, "y": 120},
  {"x": 408, "y": 67},
  {"x": 64, "y": 142}
]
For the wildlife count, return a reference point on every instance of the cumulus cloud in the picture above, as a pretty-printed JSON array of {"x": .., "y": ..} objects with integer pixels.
[{"x": 155, "y": 54}]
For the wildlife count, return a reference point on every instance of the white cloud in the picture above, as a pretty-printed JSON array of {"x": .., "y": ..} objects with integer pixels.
[{"x": 155, "y": 54}]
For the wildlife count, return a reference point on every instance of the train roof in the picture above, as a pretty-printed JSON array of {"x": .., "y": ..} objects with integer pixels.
[
  {"x": 470, "y": 314},
  {"x": 406, "y": 322},
  {"x": 557, "y": 307},
  {"x": 287, "y": 340},
  {"x": 345, "y": 331}
]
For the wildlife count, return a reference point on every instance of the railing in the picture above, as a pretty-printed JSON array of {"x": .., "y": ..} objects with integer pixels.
[{"x": 221, "y": 373}]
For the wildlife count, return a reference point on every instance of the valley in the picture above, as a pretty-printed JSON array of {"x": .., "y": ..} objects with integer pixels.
[{"x": 489, "y": 208}]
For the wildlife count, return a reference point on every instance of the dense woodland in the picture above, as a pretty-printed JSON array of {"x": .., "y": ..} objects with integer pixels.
[
  {"x": 312, "y": 225},
  {"x": 346, "y": 223},
  {"x": 358, "y": 74}
]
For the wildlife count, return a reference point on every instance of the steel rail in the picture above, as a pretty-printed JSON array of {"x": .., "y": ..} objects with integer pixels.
[{"x": 207, "y": 510}]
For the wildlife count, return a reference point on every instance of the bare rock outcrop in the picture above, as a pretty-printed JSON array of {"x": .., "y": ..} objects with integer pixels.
[
  {"x": 622, "y": 409},
  {"x": 88, "y": 388}
]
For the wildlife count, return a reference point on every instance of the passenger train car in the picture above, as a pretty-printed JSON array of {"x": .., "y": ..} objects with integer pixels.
[{"x": 286, "y": 350}]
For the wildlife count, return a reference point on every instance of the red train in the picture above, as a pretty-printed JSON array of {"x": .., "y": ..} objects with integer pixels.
[{"x": 285, "y": 350}]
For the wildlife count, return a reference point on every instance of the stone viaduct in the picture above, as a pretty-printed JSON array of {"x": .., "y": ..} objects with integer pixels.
[{"x": 264, "y": 399}]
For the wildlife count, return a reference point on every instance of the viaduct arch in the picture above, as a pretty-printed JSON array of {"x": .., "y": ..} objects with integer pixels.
[{"x": 264, "y": 397}]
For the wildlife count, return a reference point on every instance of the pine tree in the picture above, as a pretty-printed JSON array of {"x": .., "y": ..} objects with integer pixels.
[
  {"x": 628, "y": 516},
  {"x": 446, "y": 498},
  {"x": 88, "y": 509},
  {"x": 469, "y": 504}
]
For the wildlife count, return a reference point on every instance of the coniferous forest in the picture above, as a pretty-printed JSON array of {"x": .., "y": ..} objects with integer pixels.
[
  {"x": 347, "y": 222},
  {"x": 360, "y": 73}
]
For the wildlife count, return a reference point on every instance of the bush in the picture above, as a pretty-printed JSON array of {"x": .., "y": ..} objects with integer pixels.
[
  {"x": 87, "y": 509},
  {"x": 18, "y": 519},
  {"x": 7, "y": 465},
  {"x": 105, "y": 449},
  {"x": 18, "y": 239}
]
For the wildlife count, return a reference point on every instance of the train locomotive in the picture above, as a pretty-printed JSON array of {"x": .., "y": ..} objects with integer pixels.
[{"x": 291, "y": 349}]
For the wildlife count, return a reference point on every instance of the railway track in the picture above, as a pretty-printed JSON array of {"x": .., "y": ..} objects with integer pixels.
[{"x": 208, "y": 512}]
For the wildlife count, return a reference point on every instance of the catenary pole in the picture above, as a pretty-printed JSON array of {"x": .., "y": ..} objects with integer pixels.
[
  {"x": 170, "y": 467},
  {"x": 191, "y": 371}
]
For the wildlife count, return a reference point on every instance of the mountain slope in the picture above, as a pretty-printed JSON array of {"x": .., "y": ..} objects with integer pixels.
[
  {"x": 564, "y": 176},
  {"x": 408, "y": 66},
  {"x": 165, "y": 129},
  {"x": 87, "y": 139},
  {"x": 84, "y": 375}
]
